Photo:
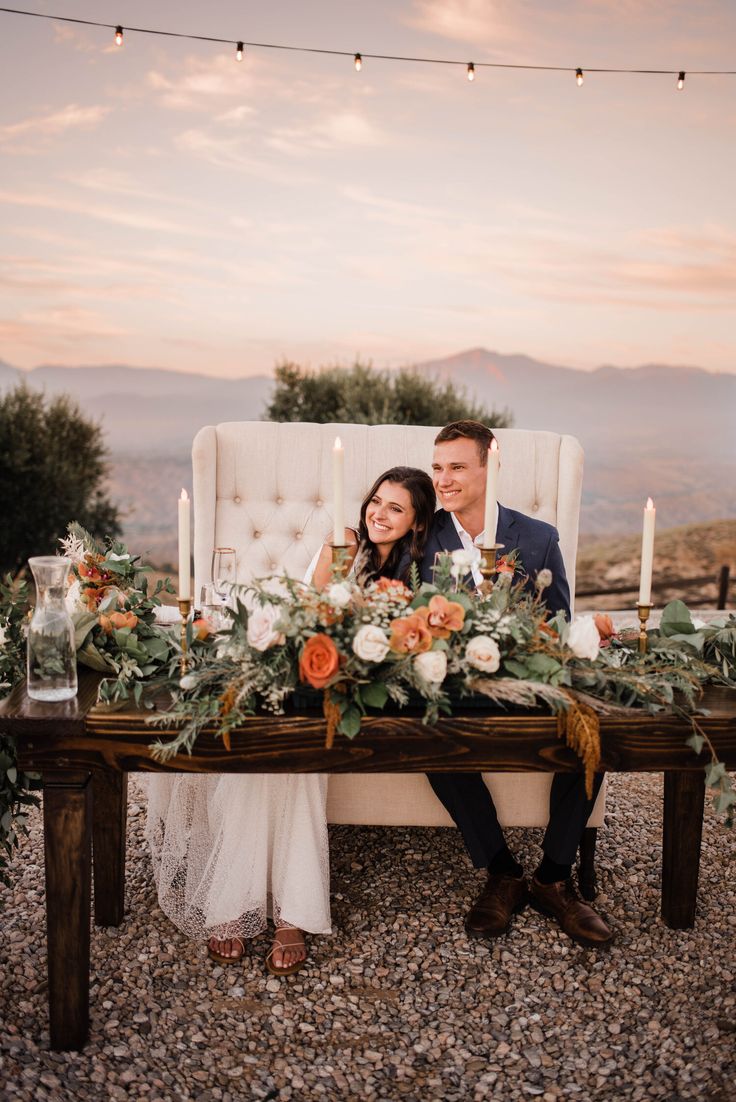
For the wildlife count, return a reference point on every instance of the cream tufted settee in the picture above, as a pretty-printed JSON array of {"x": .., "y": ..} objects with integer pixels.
[{"x": 265, "y": 489}]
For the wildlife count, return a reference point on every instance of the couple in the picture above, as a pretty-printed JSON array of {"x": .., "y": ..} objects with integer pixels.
[{"x": 231, "y": 851}]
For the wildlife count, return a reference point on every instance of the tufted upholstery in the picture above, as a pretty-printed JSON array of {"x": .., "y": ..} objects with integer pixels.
[{"x": 265, "y": 489}]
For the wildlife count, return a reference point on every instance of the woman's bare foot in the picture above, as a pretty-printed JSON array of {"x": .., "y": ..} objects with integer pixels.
[
  {"x": 288, "y": 951},
  {"x": 225, "y": 950}
]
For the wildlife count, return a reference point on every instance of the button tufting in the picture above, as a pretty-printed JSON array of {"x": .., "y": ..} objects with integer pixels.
[
  {"x": 256, "y": 535},
  {"x": 237, "y": 500},
  {"x": 297, "y": 535},
  {"x": 535, "y": 507},
  {"x": 273, "y": 566},
  {"x": 279, "y": 501},
  {"x": 319, "y": 502}
]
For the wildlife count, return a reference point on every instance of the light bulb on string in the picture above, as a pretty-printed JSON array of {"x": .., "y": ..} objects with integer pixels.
[
  {"x": 579, "y": 77},
  {"x": 471, "y": 71},
  {"x": 239, "y": 51},
  {"x": 118, "y": 36},
  {"x": 358, "y": 61},
  {"x": 680, "y": 80}
]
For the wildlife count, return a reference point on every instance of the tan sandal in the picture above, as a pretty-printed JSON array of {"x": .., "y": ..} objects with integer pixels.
[
  {"x": 289, "y": 969},
  {"x": 220, "y": 958}
]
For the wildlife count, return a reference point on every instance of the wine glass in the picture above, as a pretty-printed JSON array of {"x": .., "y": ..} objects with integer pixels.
[{"x": 223, "y": 570}]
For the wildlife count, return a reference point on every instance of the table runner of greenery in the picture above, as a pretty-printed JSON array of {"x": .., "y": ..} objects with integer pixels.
[{"x": 361, "y": 647}]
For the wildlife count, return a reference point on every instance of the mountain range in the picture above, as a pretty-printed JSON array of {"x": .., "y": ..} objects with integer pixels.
[{"x": 656, "y": 430}]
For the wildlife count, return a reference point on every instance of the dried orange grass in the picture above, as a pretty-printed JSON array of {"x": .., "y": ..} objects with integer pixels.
[{"x": 581, "y": 727}]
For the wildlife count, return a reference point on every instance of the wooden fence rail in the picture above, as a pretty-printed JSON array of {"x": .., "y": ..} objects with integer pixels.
[{"x": 722, "y": 580}]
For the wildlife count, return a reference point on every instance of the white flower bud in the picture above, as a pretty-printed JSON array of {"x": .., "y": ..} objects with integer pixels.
[{"x": 370, "y": 643}]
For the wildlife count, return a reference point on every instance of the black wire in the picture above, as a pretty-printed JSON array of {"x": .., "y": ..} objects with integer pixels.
[{"x": 372, "y": 57}]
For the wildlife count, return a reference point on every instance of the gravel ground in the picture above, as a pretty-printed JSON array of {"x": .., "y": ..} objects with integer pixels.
[{"x": 398, "y": 1003}]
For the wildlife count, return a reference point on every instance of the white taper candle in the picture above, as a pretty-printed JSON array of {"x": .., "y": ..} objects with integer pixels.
[
  {"x": 338, "y": 493},
  {"x": 489, "y": 519},
  {"x": 647, "y": 554},
  {"x": 185, "y": 547}
]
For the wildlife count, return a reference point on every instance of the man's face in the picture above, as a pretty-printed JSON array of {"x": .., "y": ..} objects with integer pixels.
[{"x": 458, "y": 476}]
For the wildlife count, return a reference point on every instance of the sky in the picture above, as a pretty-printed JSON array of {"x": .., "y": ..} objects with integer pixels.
[{"x": 162, "y": 205}]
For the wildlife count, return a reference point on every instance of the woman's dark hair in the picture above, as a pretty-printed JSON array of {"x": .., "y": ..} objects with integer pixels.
[{"x": 421, "y": 492}]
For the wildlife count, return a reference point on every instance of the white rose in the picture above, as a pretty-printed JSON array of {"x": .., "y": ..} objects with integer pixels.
[
  {"x": 188, "y": 681},
  {"x": 462, "y": 561},
  {"x": 432, "y": 666},
  {"x": 370, "y": 644},
  {"x": 261, "y": 631},
  {"x": 483, "y": 654},
  {"x": 73, "y": 598},
  {"x": 583, "y": 638},
  {"x": 338, "y": 594}
]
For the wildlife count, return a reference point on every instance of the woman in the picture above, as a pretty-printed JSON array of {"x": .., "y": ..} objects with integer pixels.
[
  {"x": 394, "y": 521},
  {"x": 230, "y": 851}
]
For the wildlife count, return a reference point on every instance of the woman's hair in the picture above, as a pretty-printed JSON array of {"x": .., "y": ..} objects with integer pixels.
[{"x": 421, "y": 492}]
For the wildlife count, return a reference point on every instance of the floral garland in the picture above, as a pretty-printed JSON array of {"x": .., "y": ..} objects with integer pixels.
[
  {"x": 362, "y": 647},
  {"x": 114, "y": 616},
  {"x": 115, "y": 632}
]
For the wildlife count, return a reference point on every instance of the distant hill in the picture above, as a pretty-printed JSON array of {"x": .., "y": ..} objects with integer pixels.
[{"x": 653, "y": 430}]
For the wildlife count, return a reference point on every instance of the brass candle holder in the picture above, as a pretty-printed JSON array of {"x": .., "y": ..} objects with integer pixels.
[
  {"x": 643, "y": 612},
  {"x": 488, "y": 567},
  {"x": 340, "y": 564},
  {"x": 185, "y": 608}
]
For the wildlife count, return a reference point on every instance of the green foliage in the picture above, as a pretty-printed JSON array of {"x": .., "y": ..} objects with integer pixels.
[
  {"x": 55, "y": 461},
  {"x": 15, "y": 787},
  {"x": 364, "y": 395}
]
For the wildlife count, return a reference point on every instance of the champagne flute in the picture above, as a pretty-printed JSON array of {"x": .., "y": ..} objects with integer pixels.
[{"x": 223, "y": 570}]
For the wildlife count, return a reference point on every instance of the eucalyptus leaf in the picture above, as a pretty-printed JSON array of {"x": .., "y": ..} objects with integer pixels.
[
  {"x": 350, "y": 722},
  {"x": 676, "y": 619},
  {"x": 374, "y": 695}
]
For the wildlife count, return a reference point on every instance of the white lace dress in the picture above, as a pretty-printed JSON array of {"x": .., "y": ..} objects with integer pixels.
[{"x": 230, "y": 851}]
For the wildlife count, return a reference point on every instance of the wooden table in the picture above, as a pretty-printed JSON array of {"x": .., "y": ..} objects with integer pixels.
[{"x": 85, "y": 753}]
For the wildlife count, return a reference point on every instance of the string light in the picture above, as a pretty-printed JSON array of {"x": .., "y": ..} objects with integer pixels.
[
  {"x": 358, "y": 58},
  {"x": 239, "y": 51}
]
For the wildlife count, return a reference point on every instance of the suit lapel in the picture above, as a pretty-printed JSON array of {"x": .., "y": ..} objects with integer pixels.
[{"x": 506, "y": 531}]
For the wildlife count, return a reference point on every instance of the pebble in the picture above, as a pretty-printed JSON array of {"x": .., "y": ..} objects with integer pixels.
[{"x": 397, "y": 1004}]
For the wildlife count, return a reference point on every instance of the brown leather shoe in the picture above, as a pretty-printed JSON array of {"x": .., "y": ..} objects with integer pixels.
[
  {"x": 499, "y": 901},
  {"x": 579, "y": 921}
]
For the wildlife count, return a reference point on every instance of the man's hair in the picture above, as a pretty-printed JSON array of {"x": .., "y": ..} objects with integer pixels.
[{"x": 467, "y": 430}]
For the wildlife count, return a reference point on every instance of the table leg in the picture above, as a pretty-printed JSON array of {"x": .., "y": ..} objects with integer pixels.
[
  {"x": 684, "y": 800},
  {"x": 109, "y": 815},
  {"x": 67, "y": 807}
]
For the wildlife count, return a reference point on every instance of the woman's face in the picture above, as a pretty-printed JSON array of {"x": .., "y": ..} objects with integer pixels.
[{"x": 389, "y": 514}]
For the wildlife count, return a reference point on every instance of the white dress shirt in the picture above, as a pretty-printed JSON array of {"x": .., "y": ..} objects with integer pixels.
[{"x": 473, "y": 545}]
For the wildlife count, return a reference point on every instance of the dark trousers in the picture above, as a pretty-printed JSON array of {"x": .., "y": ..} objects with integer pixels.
[{"x": 469, "y": 802}]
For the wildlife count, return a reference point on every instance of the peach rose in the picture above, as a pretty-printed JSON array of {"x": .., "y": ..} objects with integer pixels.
[
  {"x": 442, "y": 616},
  {"x": 123, "y": 619},
  {"x": 606, "y": 630},
  {"x": 319, "y": 661},
  {"x": 410, "y": 635},
  {"x": 104, "y": 622},
  {"x": 201, "y": 628},
  {"x": 395, "y": 587},
  {"x": 503, "y": 566}
]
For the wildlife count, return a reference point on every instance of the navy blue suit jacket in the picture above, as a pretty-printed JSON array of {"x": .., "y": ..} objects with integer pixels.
[{"x": 536, "y": 542}]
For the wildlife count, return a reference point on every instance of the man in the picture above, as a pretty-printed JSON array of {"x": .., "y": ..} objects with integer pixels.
[{"x": 459, "y": 476}]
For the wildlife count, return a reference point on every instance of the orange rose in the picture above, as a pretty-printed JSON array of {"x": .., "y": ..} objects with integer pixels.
[
  {"x": 442, "y": 616},
  {"x": 606, "y": 630},
  {"x": 410, "y": 635},
  {"x": 319, "y": 661},
  {"x": 104, "y": 622}
]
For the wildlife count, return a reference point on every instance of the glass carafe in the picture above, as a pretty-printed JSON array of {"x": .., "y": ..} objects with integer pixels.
[{"x": 52, "y": 661}]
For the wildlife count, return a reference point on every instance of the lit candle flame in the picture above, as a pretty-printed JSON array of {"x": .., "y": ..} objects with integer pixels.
[
  {"x": 650, "y": 503},
  {"x": 183, "y": 496}
]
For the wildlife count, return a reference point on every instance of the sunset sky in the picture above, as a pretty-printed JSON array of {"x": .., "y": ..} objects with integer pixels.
[{"x": 163, "y": 205}]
